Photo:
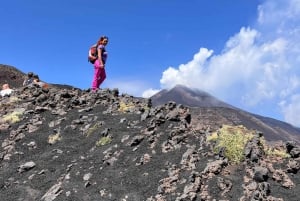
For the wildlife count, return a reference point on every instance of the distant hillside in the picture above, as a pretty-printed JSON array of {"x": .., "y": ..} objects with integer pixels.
[
  {"x": 14, "y": 77},
  {"x": 11, "y": 75},
  {"x": 186, "y": 96},
  {"x": 210, "y": 111}
]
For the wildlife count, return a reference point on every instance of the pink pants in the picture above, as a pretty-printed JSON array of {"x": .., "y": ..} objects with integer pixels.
[{"x": 99, "y": 75}]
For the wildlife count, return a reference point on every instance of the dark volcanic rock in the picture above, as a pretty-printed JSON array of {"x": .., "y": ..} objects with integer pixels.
[
  {"x": 64, "y": 143},
  {"x": 208, "y": 111},
  {"x": 71, "y": 144}
]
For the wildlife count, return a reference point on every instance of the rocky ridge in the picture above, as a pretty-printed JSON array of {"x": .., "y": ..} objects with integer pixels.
[
  {"x": 210, "y": 111},
  {"x": 71, "y": 144},
  {"x": 11, "y": 76}
]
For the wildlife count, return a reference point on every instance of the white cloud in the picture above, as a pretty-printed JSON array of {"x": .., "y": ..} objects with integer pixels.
[
  {"x": 258, "y": 66},
  {"x": 243, "y": 64},
  {"x": 150, "y": 92},
  {"x": 186, "y": 72},
  {"x": 291, "y": 110}
]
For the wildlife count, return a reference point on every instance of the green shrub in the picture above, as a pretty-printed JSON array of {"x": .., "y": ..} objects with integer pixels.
[
  {"x": 213, "y": 137},
  {"x": 103, "y": 141},
  {"x": 13, "y": 117},
  {"x": 277, "y": 153},
  {"x": 125, "y": 107},
  {"x": 93, "y": 128},
  {"x": 233, "y": 139},
  {"x": 52, "y": 139}
]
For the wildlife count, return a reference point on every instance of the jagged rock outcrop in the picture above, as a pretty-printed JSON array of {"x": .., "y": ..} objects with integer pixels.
[
  {"x": 209, "y": 111},
  {"x": 71, "y": 144}
]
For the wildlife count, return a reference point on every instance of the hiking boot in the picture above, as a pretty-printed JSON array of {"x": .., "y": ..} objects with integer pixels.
[{"x": 94, "y": 90}]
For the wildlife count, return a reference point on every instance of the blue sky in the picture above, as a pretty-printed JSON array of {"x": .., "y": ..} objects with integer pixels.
[{"x": 246, "y": 53}]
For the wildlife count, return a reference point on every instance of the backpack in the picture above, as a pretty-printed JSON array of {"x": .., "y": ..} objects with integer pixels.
[{"x": 93, "y": 54}]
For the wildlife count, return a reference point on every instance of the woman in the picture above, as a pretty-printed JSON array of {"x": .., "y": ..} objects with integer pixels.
[{"x": 99, "y": 65}]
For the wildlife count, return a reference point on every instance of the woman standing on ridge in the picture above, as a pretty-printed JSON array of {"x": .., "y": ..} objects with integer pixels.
[{"x": 99, "y": 65}]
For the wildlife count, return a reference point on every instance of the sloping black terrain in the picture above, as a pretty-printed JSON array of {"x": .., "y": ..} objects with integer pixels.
[{"x": 71, "y": 144}]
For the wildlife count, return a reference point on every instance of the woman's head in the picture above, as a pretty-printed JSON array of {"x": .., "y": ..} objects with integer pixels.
[
  {"x": 103, "y": 40},
  {"x": 36, "y": 78}
]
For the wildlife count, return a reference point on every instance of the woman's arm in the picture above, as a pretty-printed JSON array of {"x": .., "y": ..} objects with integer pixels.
[{"x": 100, "y": 57}]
